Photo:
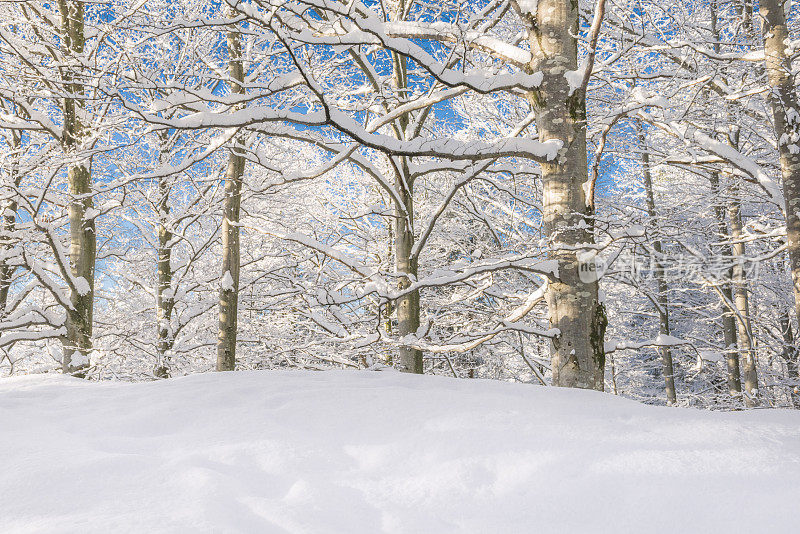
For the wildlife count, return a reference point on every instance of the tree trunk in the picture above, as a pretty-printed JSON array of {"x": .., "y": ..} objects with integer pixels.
[
  {"x": 661, "y": 298},
  {"x": 165, "y": 298},
  {"x": 406, "y": 266},
  {"x": 229, "y": 290},
  {"x": 745, "y": 9},
  {"x": 741, "y": 302},
  {"x": 9, "y": 221},
  {"x": 389, "y": 307},
  {"x": 83, "y": 244},
  {"x": 728, "y": 314},
  {"x": 577, "y": 353},
  {"x": 734, "y": 378},
  {"x": 406, "y": 263},
  {"x": 789, "y": 354},
  {"x": 6, "y": 270},
  {"x": 785, "y": 109}
]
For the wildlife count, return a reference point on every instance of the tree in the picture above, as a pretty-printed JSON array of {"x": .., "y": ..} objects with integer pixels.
[
  {"x": 47, "y": 88},
  {"x": 786, "y": 119},
  {"x": 83, "y": 238},
  {"x": 662, "y": 298},
  {"x": 13, "y": 143},
  {"x": 578, "y": 354},
  {"x": 229, "y": 289},
  {"x": 729, "y": 322}
]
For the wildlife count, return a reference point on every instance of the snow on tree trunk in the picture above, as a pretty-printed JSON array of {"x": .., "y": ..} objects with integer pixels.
[
  {"x": 786, "y": 117},
  {"x": 577, "y": 353},
  {"x": 229, "y": 289},
  {"x": 83, "y": 244}
]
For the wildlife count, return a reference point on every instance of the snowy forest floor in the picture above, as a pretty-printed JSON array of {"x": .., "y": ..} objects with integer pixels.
[{"x": 367, "y": 452}]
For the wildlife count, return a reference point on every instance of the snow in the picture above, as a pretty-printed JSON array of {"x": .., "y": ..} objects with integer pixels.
[
  {"x": 91, "y": 213},
  {"x": 528, "y": 6},
  {"x": 575, "y": 77},
  {"x": 370, "y": 452},
  {"x": 712, "y": 355},
  {"x": 79, "y": 359},
  {"x": 450, "y": 32},
  {"x": 737, "y": 159},
  {"x": 82, "y": 286},
  {"x": 227, "y": 281},
  {"x": 664, "y": 340}
]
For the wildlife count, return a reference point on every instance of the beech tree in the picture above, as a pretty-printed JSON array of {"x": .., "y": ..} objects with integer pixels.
[
  {"x": 229, "y": 290},
  {"x": 48, "y": 43},
  {"x": 662, "y": 297},
  {"x": 83, "y": 237},
  {"x": 786, "y": 120}
]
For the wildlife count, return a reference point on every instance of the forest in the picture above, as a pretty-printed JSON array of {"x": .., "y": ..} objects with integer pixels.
[
  {"x": 599, "y": 195},
  {"x": 399, "y": 266}
]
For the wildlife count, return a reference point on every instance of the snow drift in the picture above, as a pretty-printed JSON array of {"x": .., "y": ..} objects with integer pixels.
[{"x": 367, "y": 452}]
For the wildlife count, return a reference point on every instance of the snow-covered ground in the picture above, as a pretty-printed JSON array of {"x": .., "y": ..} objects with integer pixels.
[{"x": 368, "y": 452}]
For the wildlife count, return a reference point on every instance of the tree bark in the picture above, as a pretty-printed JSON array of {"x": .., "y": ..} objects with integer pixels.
[
  {"x": 83, "y": 244},
  {"x": 741, "y": 301},
  {"x": 229, "y": 289},
  {"x": 408, "y": 309},
  {"x": 729, "y": 321},
  {"x": 789, "y": 354},
  {"x": 786, "y": 117},
  {"x": 661, "y": 298},
  {"x": 406, "y": 263},
  {"x": 577, "y": 353},
  {"x": 745, "y": 9},
  {"x": 165, "y": 298},
  {"x": 389, "y": 307},
  {"x": 9, "y": 221},
  {"x": 728, "y": 314}
]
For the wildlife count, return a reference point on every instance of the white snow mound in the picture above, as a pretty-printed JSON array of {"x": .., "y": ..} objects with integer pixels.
[{"x": 368, "y": 452}]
